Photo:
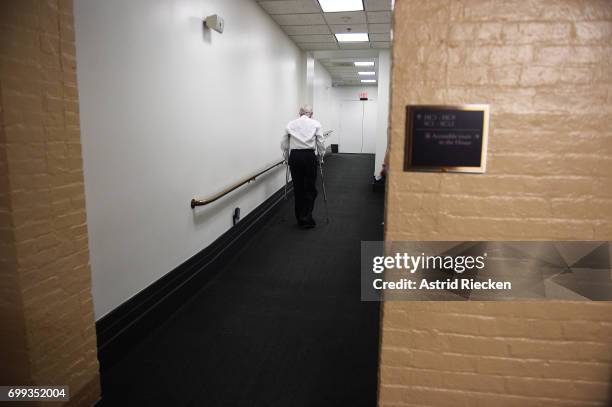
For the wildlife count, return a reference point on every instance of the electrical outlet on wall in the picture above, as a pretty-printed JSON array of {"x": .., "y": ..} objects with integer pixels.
[{"x": 236, "y": 217}]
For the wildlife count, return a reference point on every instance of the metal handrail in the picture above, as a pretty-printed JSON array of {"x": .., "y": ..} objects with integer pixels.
[{"x": 202, "y": 202}]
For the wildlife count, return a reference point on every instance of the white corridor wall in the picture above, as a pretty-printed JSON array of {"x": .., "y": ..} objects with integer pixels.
[
  {"x": 357, "y": 124},
  {"x": 170, "y": 111},
  {"x": 357, "y": 130},
  {"x": 325, "y": 103}
]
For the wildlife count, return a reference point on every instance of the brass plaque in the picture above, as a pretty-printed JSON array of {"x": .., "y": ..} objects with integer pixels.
[{"x": 446, "y": 138}]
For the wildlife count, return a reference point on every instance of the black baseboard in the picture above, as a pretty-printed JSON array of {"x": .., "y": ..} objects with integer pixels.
[{"x": 129, "y": 323}]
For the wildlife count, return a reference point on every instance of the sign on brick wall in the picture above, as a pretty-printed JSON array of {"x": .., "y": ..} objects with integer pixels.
[{"x": 446, "y": 138}]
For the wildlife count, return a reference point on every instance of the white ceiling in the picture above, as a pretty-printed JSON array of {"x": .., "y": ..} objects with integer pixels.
[
  {"x": 313, "y": 30},
  {"x": 344, "y": 73}
]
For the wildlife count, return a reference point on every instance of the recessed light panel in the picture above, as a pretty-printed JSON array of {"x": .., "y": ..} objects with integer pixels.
[
  {"x": 352, "y": 37},
  {"x": 364, "y": 63},
  {"x": 367, "y": 73},
  {"x": 368, "y": 80},
  {"x": 336, "y": 6}
]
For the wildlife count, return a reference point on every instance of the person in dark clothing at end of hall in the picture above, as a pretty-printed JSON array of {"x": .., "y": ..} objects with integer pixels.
[{"x": 301, "y": 140}]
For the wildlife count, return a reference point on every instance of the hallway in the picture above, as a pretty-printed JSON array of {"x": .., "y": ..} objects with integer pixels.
[
  {"x": 282, "y": 324},
  {"x": 141, "y": 265}
]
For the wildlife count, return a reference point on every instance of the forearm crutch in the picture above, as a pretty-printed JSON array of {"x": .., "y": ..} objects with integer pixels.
[
  {"x": 287, "y": 165},
  {"x": 286, "y": 178},
  {"x": 324, "y": 191}
]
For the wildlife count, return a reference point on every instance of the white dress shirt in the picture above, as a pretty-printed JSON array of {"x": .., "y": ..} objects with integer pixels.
[{"x": 303, "y": 133}]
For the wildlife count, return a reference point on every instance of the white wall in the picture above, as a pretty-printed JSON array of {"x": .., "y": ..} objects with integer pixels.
[
  {"x": 384, "y": 83},
  {"x": 308, "y": 97},
  {"x": 325, "y": 104},
  {"x": 344, "y": 94},
  {"x": 328, "y": 101},
  {"x": 352, "y": 92},
  {"x": 169, "y": 112}
]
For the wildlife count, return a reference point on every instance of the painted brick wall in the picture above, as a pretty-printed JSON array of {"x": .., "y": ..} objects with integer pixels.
[
  {"x": 45, "y": 279},
  {"x": 545, "y": 67},
  {"x": 13, "y": 353}
]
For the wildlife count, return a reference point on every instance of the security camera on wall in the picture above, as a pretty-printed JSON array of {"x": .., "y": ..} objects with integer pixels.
[{"x": 214, "y": 22}]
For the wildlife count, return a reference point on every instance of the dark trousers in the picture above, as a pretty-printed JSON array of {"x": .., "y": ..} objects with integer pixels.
[{"x": 303, "y": 166}]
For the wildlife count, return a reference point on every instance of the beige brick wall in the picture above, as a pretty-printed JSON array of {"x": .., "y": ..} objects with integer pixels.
[
  {"x": 545, "y": 67},
  {"x": 48, "y": 333},
  {"x": 13, "y": 353}
]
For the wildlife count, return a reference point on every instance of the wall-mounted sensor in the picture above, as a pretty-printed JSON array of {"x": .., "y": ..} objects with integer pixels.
[{"x": 214, "y": 22}]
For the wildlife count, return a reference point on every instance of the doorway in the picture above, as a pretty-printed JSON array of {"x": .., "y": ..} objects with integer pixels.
[{"x": 358, "y": 126}]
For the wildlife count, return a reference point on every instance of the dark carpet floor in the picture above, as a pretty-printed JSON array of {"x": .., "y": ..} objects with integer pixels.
[{"x": 281, "y": 325}]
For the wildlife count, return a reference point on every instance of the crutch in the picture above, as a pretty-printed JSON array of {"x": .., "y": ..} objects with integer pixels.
[
  {"x": 287, "y": 166},
  {"x": 286, "y": 178},
  {"x": 323, "y": 185}
]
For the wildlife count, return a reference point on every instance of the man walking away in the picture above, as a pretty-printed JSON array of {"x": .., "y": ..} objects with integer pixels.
[{"x": 302, "y": 137}]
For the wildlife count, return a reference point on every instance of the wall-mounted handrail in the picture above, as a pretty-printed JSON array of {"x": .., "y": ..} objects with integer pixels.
[{"x": 202, "y": 202}]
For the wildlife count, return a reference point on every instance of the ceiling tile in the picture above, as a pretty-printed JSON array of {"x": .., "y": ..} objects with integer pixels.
[
  {"x": 356, "y": 28},
  {"x": 299, "y": 19},
  {"x": 343, "y": 70},
  {"x": 379, "y": 17},
  {"x": 380, "y": 37},
  {"x": 384, "y": 44},
  {"x": 306, "y": 29},
  {"x": 360, "y": 45},
  {"x": 314, "y": 38},
  {"x": 336, "y": 73},
  {"x": 318, "y": 45},
  {"x": 379, "y": 28},
  {"x": 290, "y": 6},
  {"x": 312, "y": 29},
  {"x": 351, "y": 17},
  {"x": 377, "y": 5}
]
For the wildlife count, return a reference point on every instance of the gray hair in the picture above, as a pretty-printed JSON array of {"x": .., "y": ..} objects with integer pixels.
[{"x": 306, "y": 110}]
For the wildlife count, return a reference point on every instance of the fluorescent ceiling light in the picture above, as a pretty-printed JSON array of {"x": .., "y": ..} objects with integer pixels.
[
  {"x": 352, "y": 37},
  {"x": 334, "y": 6},
  {"x": 368, "y": 73},
  {"x": 364, "y": 63},
  {"x": 368, "y": 80}
]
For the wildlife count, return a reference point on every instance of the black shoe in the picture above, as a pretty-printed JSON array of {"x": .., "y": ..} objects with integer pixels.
[{"x": 309, "y": 224}]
